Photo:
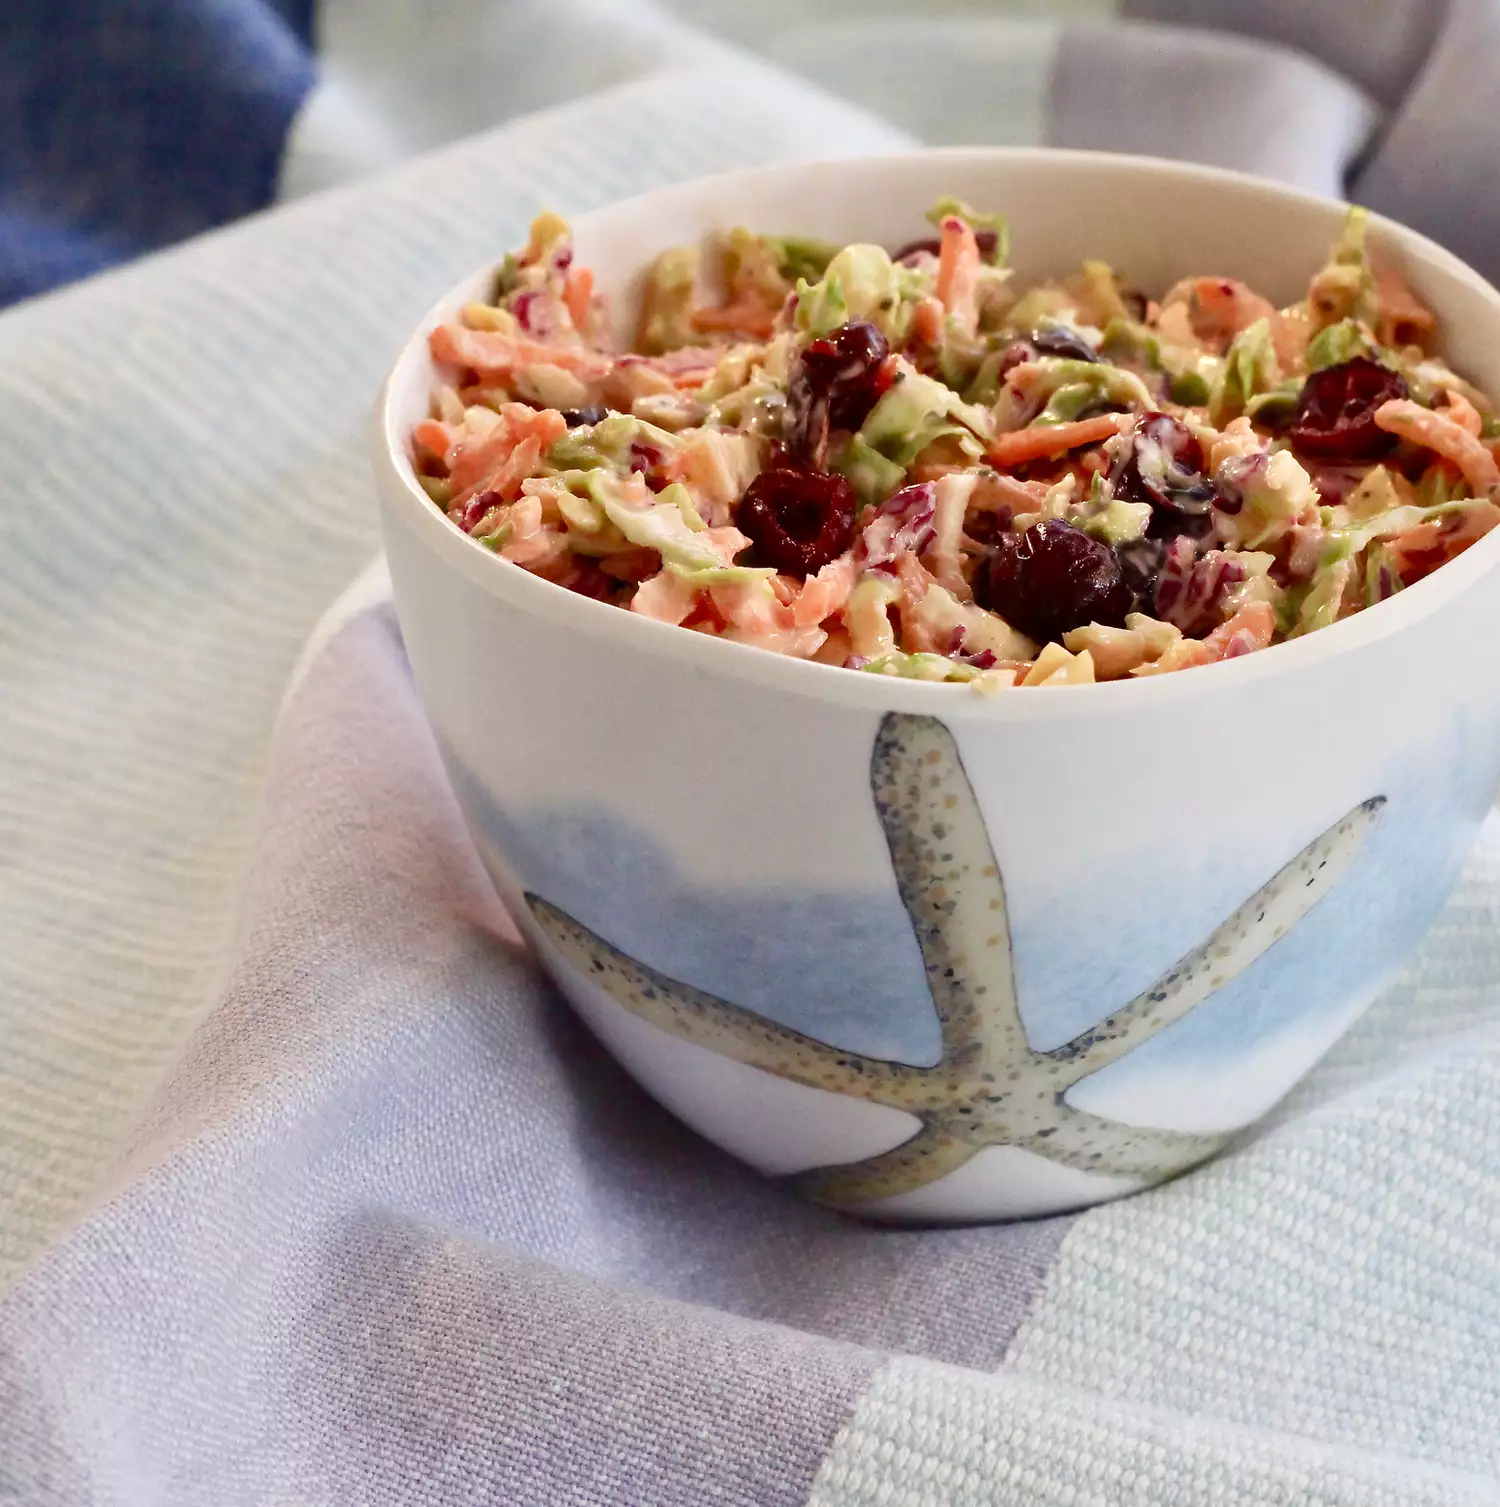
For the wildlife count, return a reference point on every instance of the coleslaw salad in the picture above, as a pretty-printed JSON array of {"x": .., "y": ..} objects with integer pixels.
[{"x": 1172, "y": 443}]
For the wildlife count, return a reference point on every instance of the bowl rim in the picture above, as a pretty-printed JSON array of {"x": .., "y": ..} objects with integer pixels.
[{"x": 569, "y": 610}]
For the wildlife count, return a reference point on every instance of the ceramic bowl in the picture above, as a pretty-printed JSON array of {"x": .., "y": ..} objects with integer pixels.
[{"x": 930, "y": 955}]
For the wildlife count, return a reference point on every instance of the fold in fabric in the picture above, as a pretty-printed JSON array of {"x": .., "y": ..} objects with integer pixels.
[{"x": 392, "y": 1228}]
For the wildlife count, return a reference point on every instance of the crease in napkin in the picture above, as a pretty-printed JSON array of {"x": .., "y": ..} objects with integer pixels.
[
  {"x": 394, "y": 1221},
  {"x": 388, "y": 1226}
]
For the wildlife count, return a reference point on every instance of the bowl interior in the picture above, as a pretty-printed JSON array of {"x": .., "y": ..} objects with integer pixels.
[{"x": 1153, "y": 221}]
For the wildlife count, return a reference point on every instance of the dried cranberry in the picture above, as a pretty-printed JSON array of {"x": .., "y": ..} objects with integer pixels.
[
  {"x": 986, "y": 527},
  {"x": 478, "y": 505},
  {"x": 986, "y": 239},
  {"x": 833, "y": 385},
  {"x": 850, "y": 360},
  {"x": 928, "y": 243},
  {"x": 1335, "y": 418},
  {"x": 1018, "y": 353},
  {"x": 1061, "y": 341},
  {"x": 587, "y": 579},
  {"x": 1136, "y": 305},
  {"x": 1163, "y": 464},
  {"x": 573, "y": 417},
  {"x": 798, "y": 520},
  {"x": 1055, "y": 342},
  {"x": 1140, "y": 566},
  {"x": 1052, "y": 578}
]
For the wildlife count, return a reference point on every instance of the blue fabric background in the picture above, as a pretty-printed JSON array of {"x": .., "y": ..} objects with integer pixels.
[{"x": 128, "y": 124}]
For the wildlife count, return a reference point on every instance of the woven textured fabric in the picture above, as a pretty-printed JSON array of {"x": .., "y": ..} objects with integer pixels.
[
  {"x": 926, "y": 1435},
  {"x": 1313, "y": 1319},
  {"x": 386, "y": 1225},
  {"x": 188, "y": 491},
  {"x": 1360, "y": 1231},
  {"x": 395, "y": 1210}
]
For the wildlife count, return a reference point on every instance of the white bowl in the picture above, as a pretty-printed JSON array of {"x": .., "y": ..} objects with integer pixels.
[{"x": 727, "y": 859}]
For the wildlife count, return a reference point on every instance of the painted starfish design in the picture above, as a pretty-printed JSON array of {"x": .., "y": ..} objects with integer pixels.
[{"x": 990, "y": 1088}]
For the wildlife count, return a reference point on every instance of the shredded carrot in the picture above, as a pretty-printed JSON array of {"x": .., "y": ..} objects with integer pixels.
[
  {"x": 748, "y": 315},
  {"x": 1217, "y": 309},
  {"x": 1462, "y": 412},
  {"x": 491, "y": 352},
  {"x": 1185, "y": 654},
  {"x": 957, "y": 283},
  {"x": 1291, "y": 330},
  {"x": 434, "y": 436},
  {"x": 489, "y": 463},
  {"x": 519, "y": 464},
  {"x": 1404, "y": 318},
  {"x": 1250, "y": 628},
  {"x": 578, "y": 293},
  {"x": 1422, "y": 549},
  {"x": 665, "y": 597},
  {"x": 1023, "y": 445},
  {"x": 825, "y": 593},
  {"x": 1444, "y": 436},
  {"x": 927, "y": 321}
]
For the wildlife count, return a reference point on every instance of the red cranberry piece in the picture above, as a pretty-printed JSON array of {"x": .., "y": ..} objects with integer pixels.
[
  {"x": 1052, "y": 578},
  {"x": 1335, "y": 418},
  {"x": 833, "y": 385},
  {"x": 798, "y": 520},
  {"x": 1017, "y": 353},
  {"x": 1135, "y": 304},
  {"x": 850, "y": 360},
  {"x": 478, "y": 505},
  {"x": 1163, "y": 465},
  {"x": 1140, "y": 567},
  {"x": 987, "y": 240},
  {"x": 1061, "y": 341},
  {"x": 574, "y": 417},
  {"x": 590, "y": 581},
  {"x": 1058, "y": 342},
  {"x": 928, "y": 243}
]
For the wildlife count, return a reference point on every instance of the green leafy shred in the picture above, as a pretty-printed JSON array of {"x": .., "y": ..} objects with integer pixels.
[
  {"x": 801, "y": 257},
  {"x": 667, "y": 302},
  {"x": 1250, "y": 368},
  {"x": 1000, "y": 256},
  {"x": 921, "y": 667},
  {"x": 1382, "y": 580},
  {"x": 438, "y": 488},
  {"x": 860, "y": 282},
  {"x": 1345, "y": 287},
  {"x": 872, "y": 476},
  {"x": 916, "y": 410},
  {"x": 506, "y": 275},
  {"x": 1338, "y": 343},
  {"x": 1275, "y": 409}
]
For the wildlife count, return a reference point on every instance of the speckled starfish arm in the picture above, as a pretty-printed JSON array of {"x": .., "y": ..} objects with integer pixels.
[
  {"x": 946, "y": 1142},
  {"x": 1263, "y": 919},
  {"x": 707, "y": 1021},
  {"x": 951, "y": 887},
  {"x": 929, "y": 1155},
  {"x": 990, "y": 1088}
]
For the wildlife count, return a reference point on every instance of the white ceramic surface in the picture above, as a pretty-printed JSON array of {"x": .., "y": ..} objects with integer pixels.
[{"x": 726, "y": 858}]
